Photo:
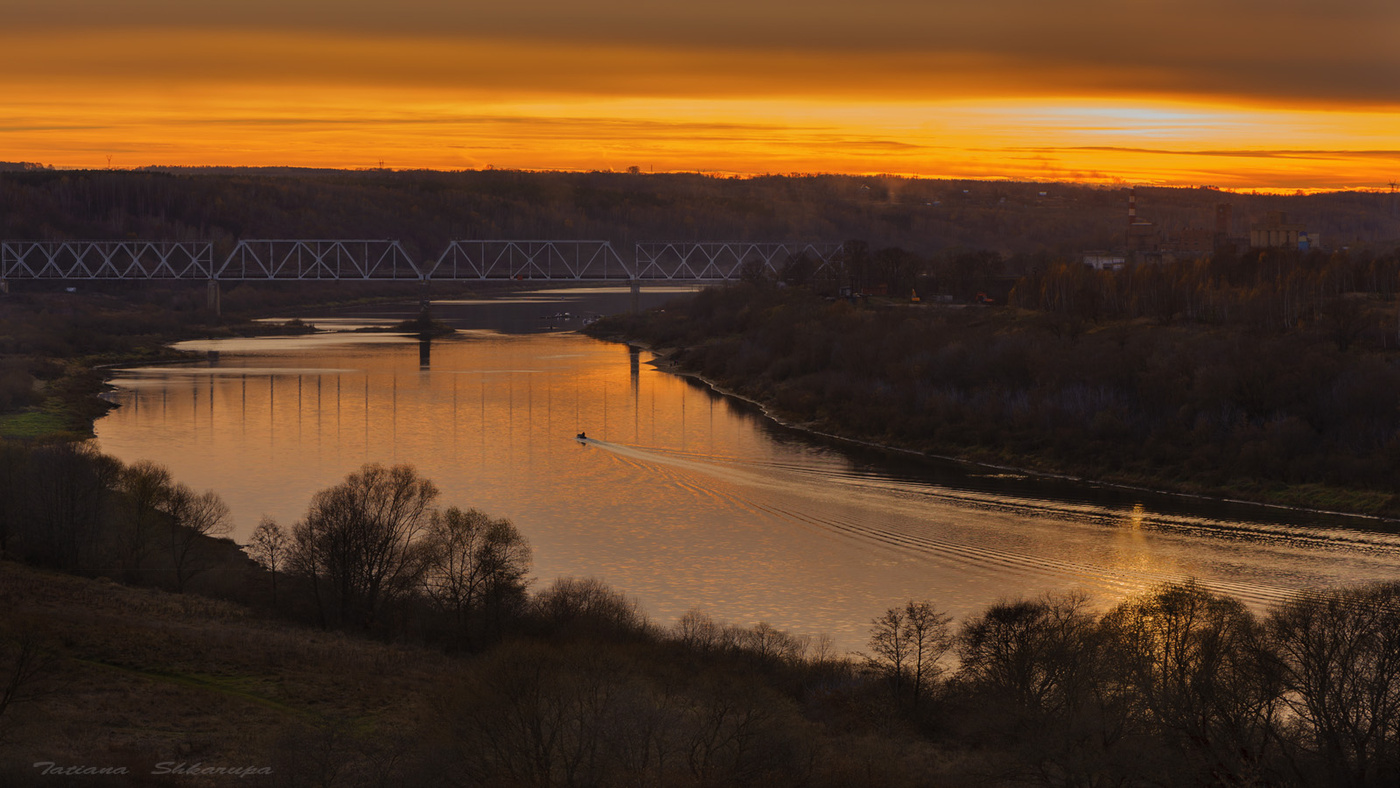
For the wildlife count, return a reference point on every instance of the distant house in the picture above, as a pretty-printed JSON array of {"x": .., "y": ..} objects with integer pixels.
[{"x": 1104, "y": 261}]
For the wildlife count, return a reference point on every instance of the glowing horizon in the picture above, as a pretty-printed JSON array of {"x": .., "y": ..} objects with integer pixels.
[{"x": 241, "y": 95}]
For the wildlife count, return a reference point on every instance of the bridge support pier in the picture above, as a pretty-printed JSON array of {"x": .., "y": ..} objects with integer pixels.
[
  {"x": 212, "y": 298},
  {"x": 4, "y": 287},
  {"x": 636, "y": 296}
]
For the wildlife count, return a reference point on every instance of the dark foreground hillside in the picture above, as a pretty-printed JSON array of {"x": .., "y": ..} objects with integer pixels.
[{"x": 144, "y": 680}]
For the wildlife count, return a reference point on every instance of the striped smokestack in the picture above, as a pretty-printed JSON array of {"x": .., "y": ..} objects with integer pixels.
[{"x": 1132, "y": 205}]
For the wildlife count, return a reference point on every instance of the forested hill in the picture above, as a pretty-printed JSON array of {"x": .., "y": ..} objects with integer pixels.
[{"x": 425, "y": 209}]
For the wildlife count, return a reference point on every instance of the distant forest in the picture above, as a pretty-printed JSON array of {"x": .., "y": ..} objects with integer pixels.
[{"x": 425, "y": 209}]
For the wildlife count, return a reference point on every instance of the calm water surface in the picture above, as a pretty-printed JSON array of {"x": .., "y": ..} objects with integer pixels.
[{"x": 684, "y": 499}]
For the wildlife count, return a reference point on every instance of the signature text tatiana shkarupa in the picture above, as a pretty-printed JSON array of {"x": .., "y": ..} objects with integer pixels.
[{"x": 164, "y": 767}]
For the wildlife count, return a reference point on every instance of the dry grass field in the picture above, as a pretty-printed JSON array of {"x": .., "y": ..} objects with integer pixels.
[{"x": 136, "y": 677}]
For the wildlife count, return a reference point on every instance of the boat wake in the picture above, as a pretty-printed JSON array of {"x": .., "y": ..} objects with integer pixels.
[{"x": 1064, "y": 542}]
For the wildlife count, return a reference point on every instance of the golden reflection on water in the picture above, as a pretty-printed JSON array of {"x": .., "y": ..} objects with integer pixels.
[{"x": 682, "y": 498}]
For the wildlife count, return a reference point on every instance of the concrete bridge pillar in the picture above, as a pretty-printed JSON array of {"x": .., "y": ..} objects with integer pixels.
[
  {"x": 212, "y": 299},
  {"x": 636, "y": 296},
  {"x": 4, "y": 287}
]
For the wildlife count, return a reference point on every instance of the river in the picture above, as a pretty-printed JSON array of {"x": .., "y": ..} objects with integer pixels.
[{"x": 682, "y": 498}]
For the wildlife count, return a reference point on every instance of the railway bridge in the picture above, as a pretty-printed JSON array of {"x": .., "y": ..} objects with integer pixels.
[{"x": 387, "y": 260}]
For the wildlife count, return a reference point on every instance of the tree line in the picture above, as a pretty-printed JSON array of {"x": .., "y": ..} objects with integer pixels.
[
  {"x": 66, "y": 506},
  {"x": 1343, "y": 294},
  {"x": 425, "y": 209},
  {"x": 1177, "y": 686}
]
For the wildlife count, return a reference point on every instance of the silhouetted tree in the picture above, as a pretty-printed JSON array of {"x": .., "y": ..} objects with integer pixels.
[
  {"x": 474, "y": 566},
  {"x": 587, "y": 605},
  {"x": 1338, "y": 656},
  {"x": 194, "y": 518},
  {"x": 358, "y": 546},
  {"x": 797, "y": 270},
  {"x": 146, "y": 489},
  {"x": 906, "y": 646},
  {"x": 269, "y": 546},
  {"x": 13, "y": 492},
  {"x": 1037, "y": 671},
  {"x": 1034, "y": 657},
  {"x": 1195, "y": 662},
  {"x": 25, "y": 669},
  {"x": 68, "y": 490}
]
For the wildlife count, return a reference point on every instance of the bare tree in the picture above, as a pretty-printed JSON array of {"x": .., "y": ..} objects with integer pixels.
[
  {"x": 929, "y": 640},
  {"x": 359, "y": 544},
  {"x": 22, "y": 674},
  {"x": 1037, "y": 655},
  {"x": 1339, "y": 657},
  {"x": 767, "y": 642},
  {"x": 698, "y": 631},
  {"x": 194, "y": 518},
  {"x": 1193, "y": 660},
  {"x": 907, "y": 644},
  {"x": 1037, "y": 667},
  {"x": 588, "y": 604},
  {"x": 889, "y": 648},
  {"x": 146, "y": 489},
  {"x": 14, "y": 461},
  {"x": 269, "y": 546},
  {"x": 68, "y": 488},
  {"x": 474, "y": 567}
]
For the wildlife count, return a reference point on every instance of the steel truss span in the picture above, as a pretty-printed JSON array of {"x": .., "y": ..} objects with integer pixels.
[
  {"x": 326, "y": 259},
  {"x": 387, "y": 260},
  {"x": 106, "y": 260},
  {"x": 725, "y": 261},
  {"x": 580, "y": 261}
]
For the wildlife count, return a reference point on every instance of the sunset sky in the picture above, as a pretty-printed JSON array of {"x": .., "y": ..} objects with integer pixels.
[{"x": 1275, "y": 95}]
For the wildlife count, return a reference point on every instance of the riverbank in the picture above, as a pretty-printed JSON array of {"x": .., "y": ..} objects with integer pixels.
[{"x": 878, "y": 377}]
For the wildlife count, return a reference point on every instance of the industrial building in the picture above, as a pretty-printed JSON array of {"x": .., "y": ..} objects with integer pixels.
[{"x": 1144, "y": 241}]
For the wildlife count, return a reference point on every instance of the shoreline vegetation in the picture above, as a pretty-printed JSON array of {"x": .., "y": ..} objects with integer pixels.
[
  {"x": 1295, "y": 416},
  {"x": 665, "y": 361}
]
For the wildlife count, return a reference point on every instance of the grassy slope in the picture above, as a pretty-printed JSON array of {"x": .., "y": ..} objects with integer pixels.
[{"x": 143, "y": 676}]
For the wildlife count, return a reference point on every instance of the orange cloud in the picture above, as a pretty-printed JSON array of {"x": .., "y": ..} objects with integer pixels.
[
  {"x": 574, "y": 67},
  {"x": 1276, "y": 50},
  {"x": 243, "y": 98}
]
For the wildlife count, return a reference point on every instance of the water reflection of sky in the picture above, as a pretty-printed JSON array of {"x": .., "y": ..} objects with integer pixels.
[{"x": 686, "y": 499}]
